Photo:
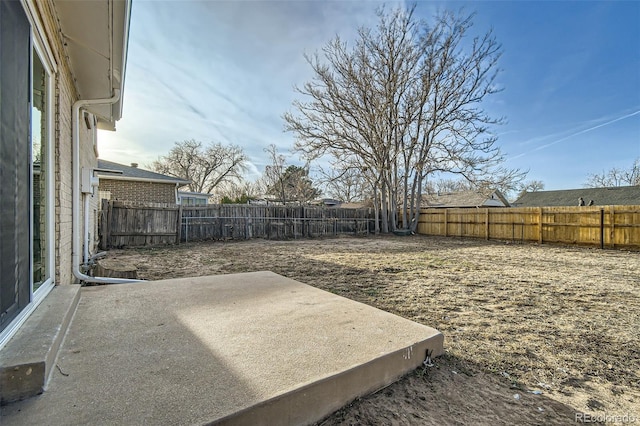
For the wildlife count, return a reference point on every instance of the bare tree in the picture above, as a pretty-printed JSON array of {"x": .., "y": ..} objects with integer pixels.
[
  {"x": 272, "y": 179},
  {"x": 616, "y": 177},
  {"x": 530, "y": 186},
  {"x": 288, "y": 183},
  {"x": 206, "y": 167},
  {"x": 404, "y": 101},
  {"x": 297, "y": 185},
  {"x": 239, "y": 192},
  {"x": 533, "y": 186},
  {"x": 346, "y": 180},
  {"x": 508, "y": 188},
  {"x": 449, "y": 185}
]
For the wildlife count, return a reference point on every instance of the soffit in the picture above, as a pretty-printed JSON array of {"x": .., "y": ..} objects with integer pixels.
[{"x": 95, "y": 36}]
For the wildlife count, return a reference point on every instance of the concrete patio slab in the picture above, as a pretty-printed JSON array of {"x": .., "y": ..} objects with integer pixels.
[{"x": 254, "y": 348}]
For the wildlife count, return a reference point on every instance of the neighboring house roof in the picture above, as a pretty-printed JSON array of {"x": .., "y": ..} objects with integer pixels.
[
  {"x": 464, "y": 199},
  {"x": 95, "y": 35},
  {"x": 193, "y": 194},
  {"x": 361, "y": 205},
  {"x": 115, "y": 171},
  {"x": 327, "y": 202},
  {"x": 620, "y": 195}
]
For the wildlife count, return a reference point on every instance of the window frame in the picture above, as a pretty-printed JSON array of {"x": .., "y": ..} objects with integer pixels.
[{"x": 49, "y": 282}]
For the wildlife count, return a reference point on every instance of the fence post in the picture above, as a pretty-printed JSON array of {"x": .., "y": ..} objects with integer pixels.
[
  {"x": 446, "y": 232},
  {"x": 539, "y": 225},
  {"x": 109, "y": 220},
  {"x": 179, "y": 225},
  {"x": 486, "y": 219},
  {"x": 601, "y": 228},
  {"x": 103, "y": 223},
  {"x": 612, "y": 220},
  {"x": 268, "y": 223},
  {"x": 247, "y": 224}
]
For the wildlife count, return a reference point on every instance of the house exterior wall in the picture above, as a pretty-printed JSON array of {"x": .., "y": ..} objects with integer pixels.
[
  {"x": 140, "y": 192},
  {"x": 192, "y": 200},
  {"x": 65, "y": 95}
]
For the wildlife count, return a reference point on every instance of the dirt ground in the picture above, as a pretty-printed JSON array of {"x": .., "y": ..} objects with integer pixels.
[{"x": 533, "y": 334}]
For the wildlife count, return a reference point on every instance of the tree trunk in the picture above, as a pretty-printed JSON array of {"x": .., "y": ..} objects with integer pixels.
[
  {"x": 414, "y": 199},
  {"x": 384, "y": 208},
  {"x": 376, "y": 210},
  {"x": 416, "y": 203},
  {"x": 405, "y": 199}
]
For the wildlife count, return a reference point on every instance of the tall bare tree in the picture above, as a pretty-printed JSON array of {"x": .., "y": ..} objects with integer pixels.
[
  {"x": 509, "y": 189},
  {"x": 616, "y": 177},
  {"x": 530, "y": 186},
  {"x": 206, "y": 167},
  {"x": 288, "y": 183},
  {"x": 346, "y": 180},
  {"x": 405, "y": 101},
  {"x": 449, "y": 185},
  {"x": 272, "y": 180},
  {"x": 296, "y": 185},
  {"x": 239, "y": 192}
]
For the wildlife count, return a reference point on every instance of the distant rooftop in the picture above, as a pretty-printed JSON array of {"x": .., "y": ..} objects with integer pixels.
[
  {"x": 133, "y": 172},
  {"x": 193, "y": 194},
  {"x": 464, "y": 199},
  {"x": 619, "y": 195}
]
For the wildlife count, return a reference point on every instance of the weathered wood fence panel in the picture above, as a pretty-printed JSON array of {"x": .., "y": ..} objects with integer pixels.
[
  {"x": 604, "y": 226},
  {"x": 130, "y": 224},
  {"x": 220, "y": 222}
]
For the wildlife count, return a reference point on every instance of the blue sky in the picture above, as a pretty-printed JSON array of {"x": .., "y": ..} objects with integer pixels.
[{"x": 225, "y": 71}]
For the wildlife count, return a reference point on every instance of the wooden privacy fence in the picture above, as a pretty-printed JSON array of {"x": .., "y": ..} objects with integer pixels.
[
  {"x": 129, "y": 224},
  {"x": 603, "y": 226},
  {"x": 123, "y": 224},
  {"x": 271, "y": 222}
]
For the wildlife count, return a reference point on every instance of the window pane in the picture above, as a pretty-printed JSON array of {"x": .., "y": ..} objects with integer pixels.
[{"x": 39, "y": 155}]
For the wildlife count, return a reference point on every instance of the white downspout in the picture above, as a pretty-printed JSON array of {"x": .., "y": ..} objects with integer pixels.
[
  {"x": 75, "y": 205},
  {"x": 85, "y": 257}
]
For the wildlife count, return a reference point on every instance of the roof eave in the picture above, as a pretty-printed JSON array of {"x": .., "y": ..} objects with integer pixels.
[
  {"x": 141, "y": 179},
  {"x": 96, "y": 37}
]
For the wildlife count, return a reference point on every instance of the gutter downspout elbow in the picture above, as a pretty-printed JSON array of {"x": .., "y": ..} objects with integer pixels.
[{"x": 75, "y": 205}]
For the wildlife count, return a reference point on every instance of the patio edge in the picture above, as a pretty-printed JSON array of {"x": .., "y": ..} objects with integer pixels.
[
  {"x": 27, "y": 360},
  {"x": 314, "y": 401}
]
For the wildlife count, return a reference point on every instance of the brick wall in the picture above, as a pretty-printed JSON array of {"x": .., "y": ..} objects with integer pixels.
[
  {"x": 65, "y": 95},
  {"x": 143, "y": 192}
]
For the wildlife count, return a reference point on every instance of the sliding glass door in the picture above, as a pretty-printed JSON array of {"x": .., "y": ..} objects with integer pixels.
[{"x": 26, "y": 169}]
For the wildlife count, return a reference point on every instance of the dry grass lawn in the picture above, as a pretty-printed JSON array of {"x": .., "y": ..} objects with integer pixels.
[{"x": 533, "y": 334}]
